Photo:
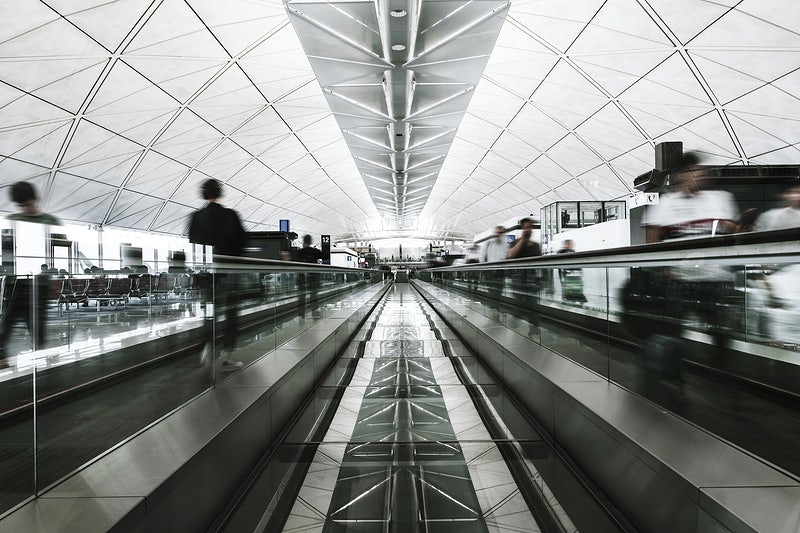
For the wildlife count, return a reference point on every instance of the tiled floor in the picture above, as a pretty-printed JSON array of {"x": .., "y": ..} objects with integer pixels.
[{"x": 407, "y": 444}]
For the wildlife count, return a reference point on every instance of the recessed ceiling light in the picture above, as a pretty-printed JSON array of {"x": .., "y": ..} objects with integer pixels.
[
  {"x": 398, "y": 47},
  {"x": 398, "y": 12}
]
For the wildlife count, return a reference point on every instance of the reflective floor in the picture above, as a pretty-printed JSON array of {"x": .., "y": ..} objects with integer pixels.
[{"x": 409, "y": 447}]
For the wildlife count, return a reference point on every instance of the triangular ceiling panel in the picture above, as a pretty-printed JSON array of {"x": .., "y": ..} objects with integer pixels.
[
  {"x": 107, "y": 22},
  {"x": 188, "y": 191},
  {"x": 12, "y": 170},
  {"x": 673, "y": 13},
  {"x": 727, "y": 81},
  {"x": 764, "y": 30},
  {"x": 621, "y": 25},
  {"x": 537, "y": 128},
  {"x": 533, "y": 182},
  {"x": 557, "y": 23},
  {"x": 602, "y": 183},
  {"x": 156, "y": 175},
  {"x": 615, "y": 71},
  {"x": 659, "y": 105},
  {"x": 756, "y": 140},
  {"x": 225, "y": 161},
  {"x": 574, "y": 190},
  {"x": 252, "y": 177},
  {"x": 707, "y": 131},
  {"x": 546, "y": 171},
  {"x": 188, "y": 138},
  {"x": 229, "y": 101},
  {"x": 514, "y": 150},
  {"x": 783, "y": 156},
  {"x": 69, "y": 92},
  {"x": 173, "y": 218},
  {"x": 608, "y": 131},
  {"x": 131, "y": 105},
  {"x": 283, "y": 154},
  {"x": 568, "y": 97},
  {"x": 38, "y": 142},
  {"x": 80, "y": 199},
  {"x": 519, "y": 62},
  {"x": 261, "y": 134},
  {"x": 239, "y": 24},
  {"x": 277, "y": 66},
  {"x": 133, "y": 210},
  {"x": 179, "y": 79}
]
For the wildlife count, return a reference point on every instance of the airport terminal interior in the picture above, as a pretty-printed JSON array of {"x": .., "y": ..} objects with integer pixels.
[{"x": 629, "y": 362}]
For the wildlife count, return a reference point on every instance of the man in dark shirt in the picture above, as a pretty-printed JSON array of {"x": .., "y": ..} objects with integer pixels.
[
  {"x": 216, "y": 225},
  {"x": 221, "y": 228},
  {"x": 525, "y": 281},
  {"x": 24, "y": 195},
  {"x": 309, "y": 254},
  {"x": 524, "y": 246},
  {"x": 307, "y": 281},
  {"x": 23, "y": 301}
]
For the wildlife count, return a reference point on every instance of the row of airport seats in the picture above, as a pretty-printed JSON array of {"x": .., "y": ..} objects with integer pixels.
[{"x": 118, "y": 289}]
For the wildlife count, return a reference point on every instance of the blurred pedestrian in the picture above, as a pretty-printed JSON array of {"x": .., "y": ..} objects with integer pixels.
[
  {"x": 308, "y": 281},
  {"x": 690, "y": 210},
  {"x": 686, "y": 290},
  {"x": 221, "y": 228},
  {"x": 782, "y": 217},
  {"x": 25, "y": 298},
  {"x": 525, "y": 280},
  {"x": 495, "y": 249},
  {"x": 24, "y": 195},
  {"x": 525, "y": 246},
  {"x": 571, "y": 278}
]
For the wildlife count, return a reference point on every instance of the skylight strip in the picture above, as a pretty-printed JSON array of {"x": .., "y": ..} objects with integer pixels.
[
  {"x": 337, "y": 35},
  {"x": 459, "y": 32}
]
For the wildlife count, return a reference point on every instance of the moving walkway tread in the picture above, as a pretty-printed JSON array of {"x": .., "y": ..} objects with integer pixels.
[{"x": 407, "y": 448}]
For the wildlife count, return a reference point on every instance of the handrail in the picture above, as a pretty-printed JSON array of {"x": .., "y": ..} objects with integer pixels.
[{"x": 776, "y": 246}]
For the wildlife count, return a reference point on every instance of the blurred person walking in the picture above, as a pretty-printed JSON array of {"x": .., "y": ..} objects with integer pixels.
[
  {"x": 495, "y": 249},
  {"x": 782, "y": 217},
  {"x": 571, "y": 278},
  {"x": 706, "y": 292},
  {"x": 221, "y": 228},
  {"x": 25, "y": 299},
  {"x": 308, "y": 281},
  {"x": 525, "y": 281}
]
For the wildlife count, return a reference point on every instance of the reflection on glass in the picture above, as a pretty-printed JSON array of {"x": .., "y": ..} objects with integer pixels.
[{"x": 120, "y": 349}]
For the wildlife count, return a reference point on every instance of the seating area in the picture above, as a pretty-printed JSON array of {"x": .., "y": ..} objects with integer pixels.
[{"x": 116, "y": 290}]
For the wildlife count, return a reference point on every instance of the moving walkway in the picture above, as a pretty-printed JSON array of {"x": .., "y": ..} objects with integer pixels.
[{"x": 549, "y": 360}]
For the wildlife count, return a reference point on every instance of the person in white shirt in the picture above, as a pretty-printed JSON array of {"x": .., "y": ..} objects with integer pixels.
[
  {"x": 691, "y": 211},
  {"x": 782, "y": 217},
  {"x": 701, "y": 293},
  {"x": 495, "y": 249}
]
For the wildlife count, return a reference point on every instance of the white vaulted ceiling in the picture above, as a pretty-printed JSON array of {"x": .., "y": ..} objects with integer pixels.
[{"x": 118, "y": 109}]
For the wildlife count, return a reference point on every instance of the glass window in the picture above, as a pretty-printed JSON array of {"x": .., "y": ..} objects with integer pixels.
[
  {"x": 591, "y": 213},
  {"x": 614, "y": 210},
  {"x": 568, "y": 216}
]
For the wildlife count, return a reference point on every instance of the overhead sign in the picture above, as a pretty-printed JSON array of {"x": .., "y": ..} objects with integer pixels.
[
  {"x": 645, "y": 198},
  {"x": 325, "y": 240}
]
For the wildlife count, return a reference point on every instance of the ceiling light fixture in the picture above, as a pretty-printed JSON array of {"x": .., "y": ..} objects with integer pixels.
[
  {"x": 398, "y": 13},
  {"x": 398, "y": 47}
]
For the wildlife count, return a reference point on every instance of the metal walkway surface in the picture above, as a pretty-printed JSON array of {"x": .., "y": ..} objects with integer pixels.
[{"x": 414, "y": 446}]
